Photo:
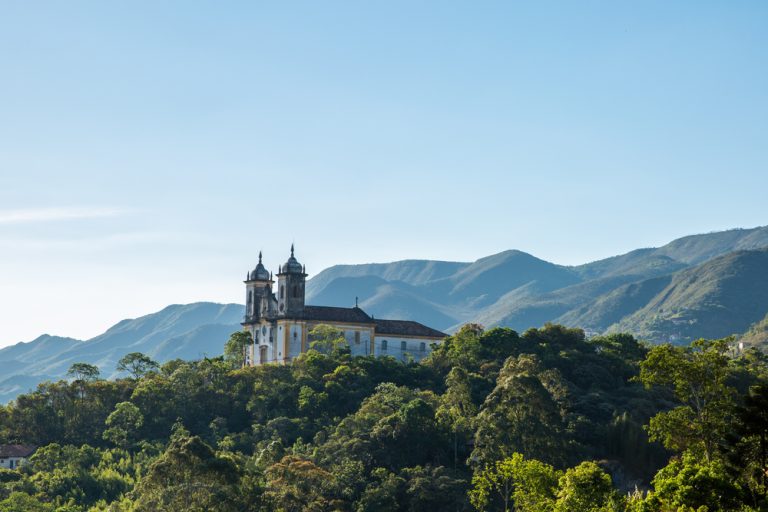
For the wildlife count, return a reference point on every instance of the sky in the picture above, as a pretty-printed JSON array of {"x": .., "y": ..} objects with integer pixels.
[{"x": 149, "y": 150}]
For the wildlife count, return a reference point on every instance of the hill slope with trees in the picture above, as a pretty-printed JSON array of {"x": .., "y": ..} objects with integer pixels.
[{"x": 492, "y": 420}]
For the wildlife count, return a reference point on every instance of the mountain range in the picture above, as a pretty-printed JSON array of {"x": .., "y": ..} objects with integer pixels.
[
  {"x": 189, "y": 331},
  {"x": 709, "y": 285}
]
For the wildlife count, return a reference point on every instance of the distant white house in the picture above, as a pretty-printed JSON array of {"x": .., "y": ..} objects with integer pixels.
[{"x": 14, "y": 455}]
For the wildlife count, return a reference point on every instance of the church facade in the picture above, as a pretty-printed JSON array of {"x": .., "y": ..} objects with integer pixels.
[{"x": 280, "y": 322}]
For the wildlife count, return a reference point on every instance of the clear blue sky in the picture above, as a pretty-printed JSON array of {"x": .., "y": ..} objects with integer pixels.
[{"x": 148, "y": 150}]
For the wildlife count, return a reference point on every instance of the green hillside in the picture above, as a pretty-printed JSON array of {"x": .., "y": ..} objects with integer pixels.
[
  {"x": 721, "y": 297},
  {"x": 569, "y": 424},
  {"x": 611, "y": 307},
  {"x": 757, "y": 335}
]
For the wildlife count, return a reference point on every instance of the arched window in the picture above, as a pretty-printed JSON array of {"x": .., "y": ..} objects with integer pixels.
[
  {"x": 403, "y": 346},
  {"x": 357, "y": 337},
  {"x": 383, "y": 345},
  {"x": 423, "y": 347},
  {"x": 282, "y": 291}
]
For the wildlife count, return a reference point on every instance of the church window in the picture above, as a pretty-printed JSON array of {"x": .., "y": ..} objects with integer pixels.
[
  {"x": 357, "y": 337},
  {"x": 403, "y": 345},
  {"x": 295, "y": 334},
  {"x": 423, "y": 347},
  {"x": 383, "y": 345},
  {"x": 295, "y": 291},
  {"x": 282, "y": 291}
]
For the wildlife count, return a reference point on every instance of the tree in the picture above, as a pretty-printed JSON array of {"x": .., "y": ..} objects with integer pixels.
[
  {"x": 690, "y": 483},
  {"x": 749, "y": 451},
  {"x": 123, "y": 424},
  {"x": 697, "y": 375},
  {"x": 84, "y": 372},
  {"x": 586, "y": 488},
  {"x": 456, "y": 410},
  {"x": 236, "y": 347},
  {"x": 463, "y": 349},
  {"x": 21, "y": 502},
  {"x": 327, "y": 339},
  {"x": 137, "y": 364},
  {"x": 524, "y": 485},
  {"x": 433, "y": 488},
  {"x": 297, "y": 484},
  {"x": 383, "y": 494},
  {"x": 522, "y": 414},
  {"x": 189, "y": 476}
]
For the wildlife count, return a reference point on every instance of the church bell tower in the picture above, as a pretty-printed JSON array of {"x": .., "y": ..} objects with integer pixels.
[
  {"x": 290, "y": 288},
  {"x": 258, "y": 287}
]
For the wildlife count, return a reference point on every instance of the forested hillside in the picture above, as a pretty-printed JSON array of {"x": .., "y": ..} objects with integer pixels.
[{"x": 492, "y": 420}]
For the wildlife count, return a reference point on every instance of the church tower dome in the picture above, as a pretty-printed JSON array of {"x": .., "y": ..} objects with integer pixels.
[
  {"x": 292, "y": 266},
  {"x": 260, "y": 273},
  {"x": 291, "y": 279}
]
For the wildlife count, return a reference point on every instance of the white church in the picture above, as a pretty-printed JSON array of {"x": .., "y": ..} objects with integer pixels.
[{"x": 280, "y": 324}]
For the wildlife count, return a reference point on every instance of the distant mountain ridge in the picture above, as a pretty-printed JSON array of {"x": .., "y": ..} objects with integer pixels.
[
  {"x": 188, "y": 331},
  {"x": 707, "y": 285},
  {"x": 517, "y": 290}
]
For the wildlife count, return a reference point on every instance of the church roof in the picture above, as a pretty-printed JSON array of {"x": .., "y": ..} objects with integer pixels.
[
  {"x": 406, "y": 328},
  {"x": 16, "y": 450},
  {"x": 334, "y": 314},
  {"x": 356, "y": 315}
]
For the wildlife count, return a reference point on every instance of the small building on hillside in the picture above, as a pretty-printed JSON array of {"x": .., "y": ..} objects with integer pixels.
[
  {"x": 280, "y": 323},
  {"x": 14, "y": 455}
]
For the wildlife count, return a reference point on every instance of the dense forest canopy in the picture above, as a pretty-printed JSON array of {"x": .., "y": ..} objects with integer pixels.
[{"x": 492, "y": 420}]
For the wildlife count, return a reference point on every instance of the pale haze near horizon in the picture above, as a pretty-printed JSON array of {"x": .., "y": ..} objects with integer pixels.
[{"x": 149, "y": 150}]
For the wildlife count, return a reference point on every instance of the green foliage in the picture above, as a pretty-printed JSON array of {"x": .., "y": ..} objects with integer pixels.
[
  {"x": 84, "y": 372},
  {"x": 522, "y": 414},
  {"x": 295, "y": 483},
  {"x": 698, "y": 377},
  {"x": 327, "y": 339},
  {"x": 586, "y": 488},
  {"x": 136, "y": 364},
  {"x": 457, "y": 411},
  {"x": 515, "y": 484},
  {"x": 189, "y": 476},
  {"x": 123, "y": 424},
  {"x": 690, "y": 483},
  {"x": 235, "y": 348},
  {"x": 20, "y": 502},
  {"x": 748, "y": 443},
  {"x": 510, "y": 418}
]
